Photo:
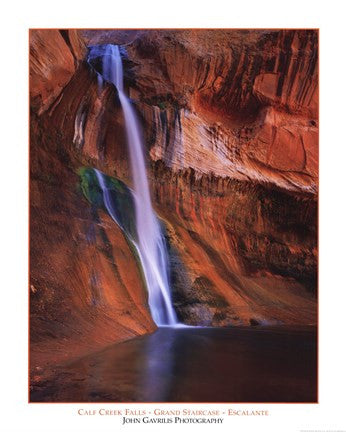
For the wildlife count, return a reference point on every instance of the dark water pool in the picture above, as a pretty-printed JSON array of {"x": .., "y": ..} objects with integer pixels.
[{"x": 194, "y": 365}]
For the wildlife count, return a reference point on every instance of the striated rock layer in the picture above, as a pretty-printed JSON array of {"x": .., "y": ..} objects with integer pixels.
[
  {"x": 230, "y": 118},
  {"x": 86, "y": 289},
  {"x": 240, "y": 104},
  {"x": 249, "y": 251},
  {"x": 231, "y": 122}
]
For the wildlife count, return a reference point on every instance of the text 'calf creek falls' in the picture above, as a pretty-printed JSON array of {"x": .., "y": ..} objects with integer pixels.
[{"x": 173, "y": 183}]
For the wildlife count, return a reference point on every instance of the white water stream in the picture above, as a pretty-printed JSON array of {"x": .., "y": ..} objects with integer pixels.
[{"x": 151, "y": 244}]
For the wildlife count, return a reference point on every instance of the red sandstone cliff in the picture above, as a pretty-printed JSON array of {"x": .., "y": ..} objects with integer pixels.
[
  {"x": 231, "y": 123},
  {"x": 86, "y": 290},
  {"x": 230, "y": 119}
]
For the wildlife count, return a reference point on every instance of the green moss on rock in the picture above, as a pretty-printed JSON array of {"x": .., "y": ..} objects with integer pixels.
[{"x": 121, "y": 198}]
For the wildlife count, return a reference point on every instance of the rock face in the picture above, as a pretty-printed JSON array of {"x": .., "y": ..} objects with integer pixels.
[
  {"x": 236, "y": 103},
  {"x": 231, "y": 122},
  {"x": 53, "y": 59},
  {"x": 86, "y": 290},
  {"x": 230, "y": 119},
  {"x": 234, "y": 238}
]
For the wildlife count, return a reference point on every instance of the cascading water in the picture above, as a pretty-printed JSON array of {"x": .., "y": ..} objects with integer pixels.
[{"x": 150, "y": 244}]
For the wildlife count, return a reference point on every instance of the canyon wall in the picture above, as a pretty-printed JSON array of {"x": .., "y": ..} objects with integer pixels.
[
  {"x": 86, "y": 288},
  {"x": 231, "y": 121},
  {"x": 230, "y": 118}
]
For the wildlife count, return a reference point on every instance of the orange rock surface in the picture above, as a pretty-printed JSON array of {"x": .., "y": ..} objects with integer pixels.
[
  {"x": 231, "y": 125},
  {"x": 86, "y": 290},
  {"x": 231, "y": 118}
]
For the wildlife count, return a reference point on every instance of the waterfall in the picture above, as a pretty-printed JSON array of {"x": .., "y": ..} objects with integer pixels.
[{"x": 150, "y": 244}]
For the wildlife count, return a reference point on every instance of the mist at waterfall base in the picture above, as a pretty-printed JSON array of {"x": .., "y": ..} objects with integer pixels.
[{"x": 150, "y": 243}]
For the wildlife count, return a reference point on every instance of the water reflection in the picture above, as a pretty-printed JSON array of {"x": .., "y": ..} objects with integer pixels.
[
  {"x": 159, "y": 365},
  {"x": 194, "y": 365}
]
